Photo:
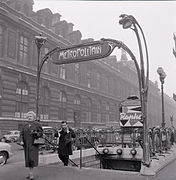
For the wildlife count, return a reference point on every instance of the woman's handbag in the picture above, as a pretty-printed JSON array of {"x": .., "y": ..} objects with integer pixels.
[{"x": 39, "y": 141}]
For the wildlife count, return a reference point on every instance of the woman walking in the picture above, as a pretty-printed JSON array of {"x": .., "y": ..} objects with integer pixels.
[{"x": 31, "y": 131}]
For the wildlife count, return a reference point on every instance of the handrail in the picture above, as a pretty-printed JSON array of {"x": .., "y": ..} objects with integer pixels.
[
  {"x": 73, "y": 162},
  {"x": 92, "y": 146},
  {"x": 54, "y": 145},
  {"x": 98, "y": 152}
]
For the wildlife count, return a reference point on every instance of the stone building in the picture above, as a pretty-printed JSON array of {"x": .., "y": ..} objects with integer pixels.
[{"x": 86, "y": 94}]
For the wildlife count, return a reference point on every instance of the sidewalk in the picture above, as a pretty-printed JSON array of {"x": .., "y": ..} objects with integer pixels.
[
  {"x": 158, "y": 164},
  {"x": 57, "y": 171}
]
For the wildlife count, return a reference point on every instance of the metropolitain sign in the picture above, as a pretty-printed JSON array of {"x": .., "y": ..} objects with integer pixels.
[{"x": 83, "y": 52}]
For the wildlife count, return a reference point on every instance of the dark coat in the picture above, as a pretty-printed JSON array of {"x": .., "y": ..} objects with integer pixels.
[
  {"x": 28, "y": 136},
  {"x": 65, "y": 142}
]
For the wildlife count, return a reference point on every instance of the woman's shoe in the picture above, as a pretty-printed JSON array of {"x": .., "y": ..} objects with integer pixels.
[
  {"x": 28, "y": 176},
  {"x": 31, "y": 177}
]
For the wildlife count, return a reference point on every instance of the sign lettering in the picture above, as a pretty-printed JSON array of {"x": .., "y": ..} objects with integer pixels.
[
  {"x": 132, "y": 116},
  {"x": 83, "y": 52},
  {"x": 80, "y": 52}
]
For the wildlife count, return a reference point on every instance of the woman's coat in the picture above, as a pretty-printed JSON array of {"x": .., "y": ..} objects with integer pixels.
[{"x": 28, "y": 136}]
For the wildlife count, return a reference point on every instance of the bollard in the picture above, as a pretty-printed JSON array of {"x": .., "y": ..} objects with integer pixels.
[{"x": 80, "y": 153}]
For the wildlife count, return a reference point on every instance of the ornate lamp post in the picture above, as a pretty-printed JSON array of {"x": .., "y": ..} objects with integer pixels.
[
  {"x": 39, "y": 41},
  {"x": 162, "y": 76},
  {"x": 128, "y": 21}
]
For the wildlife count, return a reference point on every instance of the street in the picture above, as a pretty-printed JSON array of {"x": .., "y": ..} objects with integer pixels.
[
  {"x": 15, "y": 169},
  {"x": 18, "y": 154},
  {"x": 52, "y": 172}
]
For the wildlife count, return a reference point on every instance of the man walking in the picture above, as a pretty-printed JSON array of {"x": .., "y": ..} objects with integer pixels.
[{"x": 65, "y": 142}]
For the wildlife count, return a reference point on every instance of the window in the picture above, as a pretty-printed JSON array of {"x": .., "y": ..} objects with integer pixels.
[
  {"x": 107, "y": 106},
  {"x": 106, "y": 84},
  {"x": 88, "y": 112},
  {"x": 62, "y": 113},
  {"x": 98, "y": 81},
  {"x": 88, "y": 78},
  {"x": 1, "y": 40},
  {"x": 26, "y": 10},
  {"x": 107, "y": 117},
  {"x": 77, "y": 73},
  {"x": 62, "y": 96},
  {"x": 98, "y": 111},
  {"x": 62, "y": 71},
  {"x": 46, "y": 66},
  {"x": 34, "y": 56},
  {"x": 62, "y": 109},
  {"x": 77, "y": 100},
  {"x": 21, "y": 100},
  {"x": 17, "y": 6},
  {"x": 23, "y": 51},
  {"x": 11, "y": 44},
  {"x": 1, "y": 92},
  {"x": 44, "y": 103},
  {"x": 47, "y": 22},
  {"x": 107, "y": 112}
]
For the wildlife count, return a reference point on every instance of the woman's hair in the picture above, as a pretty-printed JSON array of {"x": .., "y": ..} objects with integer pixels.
[{"x": 31, "y": 112}]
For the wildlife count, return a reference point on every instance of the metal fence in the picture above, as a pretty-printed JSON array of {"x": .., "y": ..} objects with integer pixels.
[{"x": 161, "y": 140}]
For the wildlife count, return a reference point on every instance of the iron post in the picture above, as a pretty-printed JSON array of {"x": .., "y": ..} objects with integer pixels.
[
  {"x": 128, "y": 21},
  {"x": 39, "y": 41},
  {"x": 162, "y": 76}
]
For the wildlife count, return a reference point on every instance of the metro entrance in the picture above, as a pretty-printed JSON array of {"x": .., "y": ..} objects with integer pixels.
[{"x": 86, "y": 52}]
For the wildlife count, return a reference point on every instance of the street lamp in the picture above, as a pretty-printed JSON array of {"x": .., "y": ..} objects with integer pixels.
[
  {"x": 162, "y": 76},
  {"x": 128, "y": 21},
  {"x": 39, "y": 41}
]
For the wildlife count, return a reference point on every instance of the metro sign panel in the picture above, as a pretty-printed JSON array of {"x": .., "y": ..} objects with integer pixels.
[
  {"x": 83, "y": 52},
  {"x": 131, "y": 116}
]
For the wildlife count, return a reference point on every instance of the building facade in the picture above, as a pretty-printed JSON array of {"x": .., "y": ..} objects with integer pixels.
[{"x": 86, "y": 94}]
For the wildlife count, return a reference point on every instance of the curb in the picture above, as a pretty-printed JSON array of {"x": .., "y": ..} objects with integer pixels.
[{"x": 157, "y": 165}]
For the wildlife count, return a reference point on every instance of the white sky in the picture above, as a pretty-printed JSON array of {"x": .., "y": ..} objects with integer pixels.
[{"x": 99, "y": 19}]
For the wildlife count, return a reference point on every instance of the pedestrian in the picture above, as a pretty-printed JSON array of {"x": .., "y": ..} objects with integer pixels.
[
  {"x": 31, "y": 131},
  {"x": 65, "y": 142},
  {"x": 172, "y": 138}
]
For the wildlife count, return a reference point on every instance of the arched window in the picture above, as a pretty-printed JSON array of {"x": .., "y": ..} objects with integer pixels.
[
  {"x": 98, "y": 111},
  {"x": 107, "y": 108},
  {"x": 44, "y": 103},
  {"x": 62, "y": 109},
  {"x": 89, "y": 110},
  {"x": 1, "y": 92},
  {"x": 22, "y": 94},
  {"x": 1, "y": 41}
]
